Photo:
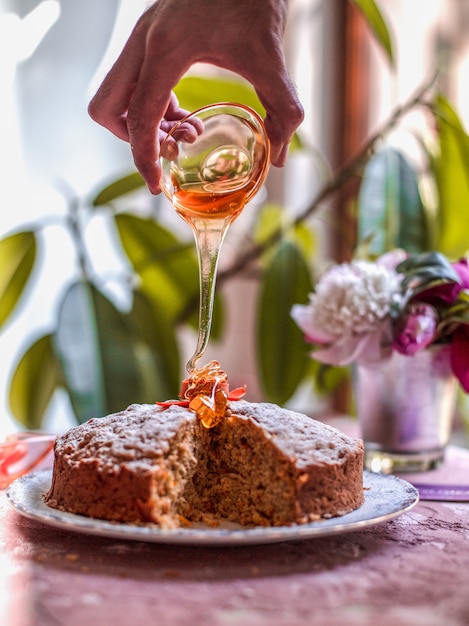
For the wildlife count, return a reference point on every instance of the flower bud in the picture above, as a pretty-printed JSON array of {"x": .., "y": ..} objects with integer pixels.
[{"x": 415, "y": 330}]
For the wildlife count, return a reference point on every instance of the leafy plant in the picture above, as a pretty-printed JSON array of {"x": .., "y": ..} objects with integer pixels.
[
  {"x": 371, "y": 11},
  {"x": 105, "y": 356},
  {"x": 17, "y": 258},
  {"x": 391, "y": 210}
]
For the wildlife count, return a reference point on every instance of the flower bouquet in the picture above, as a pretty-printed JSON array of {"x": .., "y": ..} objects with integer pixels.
[
  {"x": 403, "y": 321},
  {"x": 363, "y": 311}
]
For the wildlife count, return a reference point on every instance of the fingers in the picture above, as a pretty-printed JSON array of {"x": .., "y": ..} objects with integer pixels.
[
  {"x": 186, "y": 132},
  {"x": 281, "y": 121},
  {"x": 146, "y": 120}
]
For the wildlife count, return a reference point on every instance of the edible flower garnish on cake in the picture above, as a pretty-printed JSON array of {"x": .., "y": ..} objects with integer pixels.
[{"x": 207, "y": 393}]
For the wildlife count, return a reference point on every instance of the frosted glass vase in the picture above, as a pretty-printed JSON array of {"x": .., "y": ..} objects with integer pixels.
[{"x": 405, "y": 407}]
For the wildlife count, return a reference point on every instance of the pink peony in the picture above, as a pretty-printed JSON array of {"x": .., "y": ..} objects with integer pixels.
[{"x": 416, "y": 330}]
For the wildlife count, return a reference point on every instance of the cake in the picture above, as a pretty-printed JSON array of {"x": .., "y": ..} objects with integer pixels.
[{"x": 259, "y": 465}]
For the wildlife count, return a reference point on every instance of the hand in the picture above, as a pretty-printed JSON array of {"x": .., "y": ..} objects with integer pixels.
[{"x": 135, "y": 100}]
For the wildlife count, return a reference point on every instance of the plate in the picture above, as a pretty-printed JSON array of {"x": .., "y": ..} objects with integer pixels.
[{"x": 386, "y": 497}]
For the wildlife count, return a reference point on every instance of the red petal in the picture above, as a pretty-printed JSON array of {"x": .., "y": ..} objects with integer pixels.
[
  {"x": 168, "y": 403},
  {"x": 237, "y": 393}
]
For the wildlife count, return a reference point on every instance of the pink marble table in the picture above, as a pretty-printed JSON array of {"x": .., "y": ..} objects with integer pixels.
[{"x": 408, "y": 571}]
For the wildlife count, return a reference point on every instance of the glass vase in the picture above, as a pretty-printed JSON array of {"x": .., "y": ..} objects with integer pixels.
[{"x": 405, "y": 407}]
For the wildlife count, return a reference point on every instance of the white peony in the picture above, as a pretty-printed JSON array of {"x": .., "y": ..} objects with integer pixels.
[{"x": 349, "y": 311}]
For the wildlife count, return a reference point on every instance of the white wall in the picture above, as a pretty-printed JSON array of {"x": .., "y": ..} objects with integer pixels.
[{"x": 51, "y": 56}]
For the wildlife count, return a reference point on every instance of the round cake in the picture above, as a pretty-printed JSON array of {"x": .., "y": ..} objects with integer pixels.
[{"x": 260, "y": 465}]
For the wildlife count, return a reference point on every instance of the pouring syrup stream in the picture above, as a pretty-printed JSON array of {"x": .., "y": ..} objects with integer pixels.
[{"x": 209, "y": 214}]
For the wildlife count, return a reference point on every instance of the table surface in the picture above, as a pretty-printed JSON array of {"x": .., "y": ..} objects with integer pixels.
[{"x": 411, "y": 570}]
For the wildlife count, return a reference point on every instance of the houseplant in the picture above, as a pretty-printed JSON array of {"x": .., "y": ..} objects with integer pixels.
[{"x": 161, "y": 277}]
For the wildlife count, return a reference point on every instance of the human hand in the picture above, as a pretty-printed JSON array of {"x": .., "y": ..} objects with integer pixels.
[{"x": 135, "y": 100}]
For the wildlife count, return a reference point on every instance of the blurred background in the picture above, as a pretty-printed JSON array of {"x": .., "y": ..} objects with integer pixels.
[{"x": 53, "y": 55}]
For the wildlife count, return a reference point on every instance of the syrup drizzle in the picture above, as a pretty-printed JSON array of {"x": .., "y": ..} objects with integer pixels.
[{"x": 207, "y": 393}]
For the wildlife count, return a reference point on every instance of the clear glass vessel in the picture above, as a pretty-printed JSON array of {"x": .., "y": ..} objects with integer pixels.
[
  {"x": 405, "y": 409},
  {"x": 213, "y": 162}
]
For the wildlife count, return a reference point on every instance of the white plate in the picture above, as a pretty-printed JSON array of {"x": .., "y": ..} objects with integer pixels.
[{"x": 385, "y": 498}]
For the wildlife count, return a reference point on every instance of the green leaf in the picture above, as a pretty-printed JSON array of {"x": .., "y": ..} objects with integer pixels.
[
  {"x": 327, "y": 378},
  {"x": 98, "y": 354},
  {"x": 157, "y": 350},
  {"x": 167, "y": 268},
  {"x": 282, "y": 352},
  {"x": 457, "y": 313},
  {"x": 118, "y": 188},
  {"x": 375, "y": 19},
  {"x": 17, "y": 257},
  {"x": 218, "y": 317},
  {"x": 194, "y": 92},
  {"x": 271, "y": 219},
  {"x": 390, "y": 210},
  {"x": 452, "y": 177},
  {"x": 34, "y": 381},
  {"x": 431, "y": 213},
  {"x": 423, "y": 271},
  {"x": 433, "y": 259}
]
